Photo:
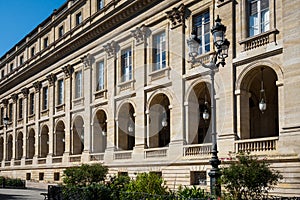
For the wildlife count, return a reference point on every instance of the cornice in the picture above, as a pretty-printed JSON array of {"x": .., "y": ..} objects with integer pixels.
[{"x": 122, "y": 13}]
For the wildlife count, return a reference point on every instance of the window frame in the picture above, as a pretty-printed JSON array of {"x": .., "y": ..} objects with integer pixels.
[
  {"x": 45, "y": 98},
  {"x": 61, "y": 31},
  {"x": 31, "y": 103},
  {"x": 20, "y": 108},
  {"x": 98, "y": 88},
  {"x": 205, "y": 32},
  {"x": 78, "y": 93},
  {"x": 60, "y": 92},
  {"x": 46, "y": 42},
  {"x": 160, "y": 63},
  {"x": 11, "y": 67},
  {"x": 259, "y": 22},
  {"x": 100, "y": 4},
  {"x": 32, "y": 51},
  {"x": 78, "y": 18},
  {"x": 126, "y": 62},
  {"x": 10, "y": 112}
]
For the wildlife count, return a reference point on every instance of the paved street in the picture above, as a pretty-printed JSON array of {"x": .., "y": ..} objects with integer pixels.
[{"x": 30, "y": 194}]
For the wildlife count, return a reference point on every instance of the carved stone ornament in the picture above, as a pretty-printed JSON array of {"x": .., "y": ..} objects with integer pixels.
[
  {"x": 87, "y": 60},
  {"x": 5, "y": 102},
  {"x": 178, "y": 15},
  {"x": 14, "y": 97},
  {"x": 51, "y": 78},
  {"x": 111, "y": 48},
  {"x": 68, "y": 70},
  {"x": 37, "y": 86},
  {"x": 25, "y": 92},
  {"x": 140, "y": 34}
]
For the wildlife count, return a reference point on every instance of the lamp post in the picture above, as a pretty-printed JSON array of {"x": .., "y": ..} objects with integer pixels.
[{"x": 222, "y": 45}]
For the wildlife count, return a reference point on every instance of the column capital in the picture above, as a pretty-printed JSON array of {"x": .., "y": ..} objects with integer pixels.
[
  {"x": 51, "y": 78},
  {"x": 111, "y": 48},
  {"x": 68, "y": 70},
  {"x": 37, "y": 86},
  {"x": 140, "y": 34},
  {"x": 178, "y": 15},
  {"x": 25, "y": 92},
  {"x": 87, "y": 60},
  {"x": 14, "y": 97}
]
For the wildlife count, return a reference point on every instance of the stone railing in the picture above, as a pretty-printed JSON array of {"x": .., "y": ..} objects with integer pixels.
[
  {"x": 156, "y": 152},
  {"x": 120, "y": 155},
  {"x": 259, "y": 40},
  {"x": 259, "y": 145},
  {"x": 57, "y": 159},
  {"x": 7, "y": 163},
  {"x": 17, "y": 162},
  {"x": 42, "y": 161},
  {"x": 197, "y": 150},
  {"x": 97, "y": 157},
  {"x": 28, "y": 162},
  {"x": 75, "y": 158}
]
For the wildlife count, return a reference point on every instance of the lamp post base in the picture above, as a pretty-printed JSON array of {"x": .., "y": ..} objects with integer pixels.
[{"x": 215, "y": 174}]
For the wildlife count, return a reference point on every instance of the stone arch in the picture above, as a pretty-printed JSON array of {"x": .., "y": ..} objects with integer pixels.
[
  {"x": 99, "y": 125},
  {"x": 1, "y": 148},
  {"x": 31, "y": 144},
  {"x": 59, "y": 138},
  {"x": 164, "y": 91},
  {"x": 126, "y": 126},
  {"x": 44, "y": 141},
  {"x": 9, "y": 147},
  {"x": 255, "y": 123},
  {"x": 19, "y": 146},
  {"x": 77, "y": 136}
]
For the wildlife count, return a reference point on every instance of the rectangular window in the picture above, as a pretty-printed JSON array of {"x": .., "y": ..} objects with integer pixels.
[
  {"x": 126, "y": 65},
  {"x": 31, "y": 103},
  {"x": 28, "y": 176},
  {"x": 60, "y": 31},
  {"x": 2, "y": 74},
  {"x": 198, "y": 177},
  {"x": 100, "y": 4},
  {"x": 20, "y": 108},
  {"x": 21, "y": 60},
  {"x": 100, "y": 76},
  {"x": 78, "y": 84},
  {"x": 32, "y": 51},
  {"x": 56, "y": 176},
  {"x": 259, "y": 14},
  {"x": 60, "y": 92},
  {"x": 159, "y": 51},
  {"x": 45, "y": 98},
  {"x": 201, "y": 23},
  {"x": 11, "y": 67},
  {"x": 46, "y": 42},
  {"x": 10, "y": 112},
  {"x": 41, "y": 176},
  {"x": 78, "y": 18}
]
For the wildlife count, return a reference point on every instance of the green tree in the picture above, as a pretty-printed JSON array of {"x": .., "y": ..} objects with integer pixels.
[
  {"x": 84, "y": 175},
  {"x": 147, "y": 186},
  {"x": 249, "y": 178}
]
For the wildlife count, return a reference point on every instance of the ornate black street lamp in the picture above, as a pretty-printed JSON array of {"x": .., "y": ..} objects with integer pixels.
[{"x": 222, "y": 45}]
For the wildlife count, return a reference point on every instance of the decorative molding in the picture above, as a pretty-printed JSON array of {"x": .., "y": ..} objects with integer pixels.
[
  {"x": 51, "y": 78},
  {"x": 37, "y": 86},
  {"x": 111, "y": 48},
  {"x": 25, "y": 92},
  {"x": 178, "y": 15},
  {"x": 140, "y": 34},
  {"x": 14, "y": 97},
  {"x": 4, "y": 102},
  {"x": 68, "y": 70},
  {"x": 87, "y": 60}
]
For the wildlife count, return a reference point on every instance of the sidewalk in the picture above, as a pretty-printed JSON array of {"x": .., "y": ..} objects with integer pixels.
[{"x": 29, "y": 194}]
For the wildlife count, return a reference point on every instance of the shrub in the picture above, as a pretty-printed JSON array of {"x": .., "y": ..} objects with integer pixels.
[
  {"x": 192, "y": 193},
  {"x": 146, "y": 184},
  {"x": 118, "y": 186},
  {"x": 249, "y": 178},
  {"x": 84, "y": 175}
]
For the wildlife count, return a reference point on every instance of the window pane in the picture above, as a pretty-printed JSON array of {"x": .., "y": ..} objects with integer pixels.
[
  {"x": 126, "y": 66},
  {"x": 265, "y": 21},
  {"x": 100, "y": 76},
  {"x": 159, "y": 51},
  {"x": 202, "y": 24},
  {"x": 253, "y": 25},
  {"x": 60, "y": 92},
  {"x": 78, "y": 84}
]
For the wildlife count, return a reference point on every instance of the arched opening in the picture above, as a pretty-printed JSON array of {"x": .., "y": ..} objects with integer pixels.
[
  {"x": 1, "y": 148},
  {"x": 126, "y": 127},
  {"x": 31, "y": 144},
  {"x": 159, "y": 124},
  {"x": 44, "y": 142},
  {"x": 99, "y": 132},
  {"x": 59, "y": 138},
  {"x": 199, "y": 115},
  {"x": 78, "y": 136},
  {"x": 19, "y": 146},
  {"x": 260, "y": 83},
  {"x": 9, "y": 147}
]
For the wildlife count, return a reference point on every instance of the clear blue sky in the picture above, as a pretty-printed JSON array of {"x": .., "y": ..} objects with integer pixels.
[{"x": 20, "y": 17}]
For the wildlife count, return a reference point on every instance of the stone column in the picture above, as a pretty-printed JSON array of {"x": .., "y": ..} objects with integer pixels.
[
  {"x": 140, "y": 72},
  {"x": 243, "y": 114},
  {"x": 14, "y": 125},
  {"x": 37, "y": 101},
  {"x": 87, "y": 93},
  {"x": 68, "y": 70},
  {"x": 51, "y": 79},
  {"x": 25, "y": 92}
]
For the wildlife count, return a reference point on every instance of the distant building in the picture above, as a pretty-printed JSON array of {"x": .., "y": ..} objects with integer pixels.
[{"x": 109, "y": 81}]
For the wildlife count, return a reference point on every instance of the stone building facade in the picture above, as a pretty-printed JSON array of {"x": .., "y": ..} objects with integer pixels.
[{"x": 111, "y": 82}]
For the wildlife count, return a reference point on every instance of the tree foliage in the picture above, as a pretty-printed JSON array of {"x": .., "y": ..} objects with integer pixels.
[
  {"x": 84, "y": 175},
  {"x": 249, "y": 178}
]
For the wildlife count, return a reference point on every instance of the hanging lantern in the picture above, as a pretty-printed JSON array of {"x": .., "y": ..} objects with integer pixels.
[
  {"x": 262, "y": 103},
  {"x": 218, "y": 32},
  {"x": 193, "y": 44}
]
